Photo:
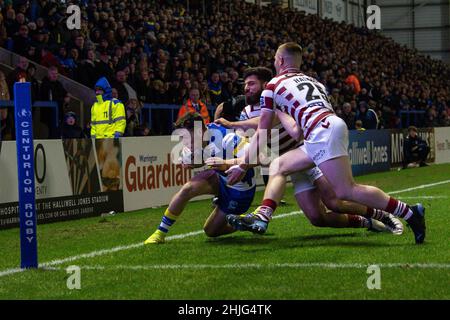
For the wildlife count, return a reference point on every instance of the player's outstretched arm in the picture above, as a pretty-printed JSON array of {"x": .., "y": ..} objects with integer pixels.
[
  {"x": 242, "y": 124},
  {"x": 257, "y": 143},
  {"x": 290, "y": 125}
]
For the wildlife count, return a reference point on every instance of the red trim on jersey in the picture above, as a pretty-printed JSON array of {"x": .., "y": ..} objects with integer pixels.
[
  {"x": 311, "y": 113},
  {"x": 316, "y": 121},
  {"x": 268, "y": 103},
  {"x": 293, "y": 113},
  {"x": 296, "y": 104},
  {"x": 283, "y": 89},
  {"x": 289, "y": 97},
  {"x": 300, "y": 115},
  {"x": 272, "y": 86}
]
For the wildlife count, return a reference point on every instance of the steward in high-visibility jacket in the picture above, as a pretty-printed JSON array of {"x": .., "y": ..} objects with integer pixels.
[
  {"x": 107, "y": 114},
  {"x": 194, "y": 105}
]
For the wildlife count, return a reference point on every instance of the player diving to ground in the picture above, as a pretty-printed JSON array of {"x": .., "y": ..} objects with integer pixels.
[
  {"x": 311, "y": 189},
  {"x": 234, "y": 199},
  {"x": 326, "y": 139}
]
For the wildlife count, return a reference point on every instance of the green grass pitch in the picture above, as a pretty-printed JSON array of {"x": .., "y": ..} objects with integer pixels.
[{"x": 294, "y": 260}]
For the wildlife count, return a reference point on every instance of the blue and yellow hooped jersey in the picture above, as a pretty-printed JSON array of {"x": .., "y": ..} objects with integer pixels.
[{"x": 226, "y": 144}]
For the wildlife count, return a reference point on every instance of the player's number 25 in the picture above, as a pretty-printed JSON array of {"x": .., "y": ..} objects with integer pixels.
[{"x": 309, "y": 94}]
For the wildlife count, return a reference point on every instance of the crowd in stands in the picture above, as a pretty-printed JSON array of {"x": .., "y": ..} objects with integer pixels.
[{"x": 157, "y": 51}]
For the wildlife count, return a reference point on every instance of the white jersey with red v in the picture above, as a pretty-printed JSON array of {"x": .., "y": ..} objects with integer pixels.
[{"x": 301, "y": 96}]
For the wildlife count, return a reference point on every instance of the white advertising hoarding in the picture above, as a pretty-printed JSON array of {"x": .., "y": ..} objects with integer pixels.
[
  {"x": 51, "y": 176},
  {"x": 442, "y": 139},
  {"x": 150, "y": 176}
]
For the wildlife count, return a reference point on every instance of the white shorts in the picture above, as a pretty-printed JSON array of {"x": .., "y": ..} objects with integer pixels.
[
  {"x": 328, "y": 140},
  {"x": 304, "y": 180}
]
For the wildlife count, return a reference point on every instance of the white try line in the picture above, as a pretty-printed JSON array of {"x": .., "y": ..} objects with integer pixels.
[
  {"x": 326, "y": 265},
  {"x": 174, "y": 237}
]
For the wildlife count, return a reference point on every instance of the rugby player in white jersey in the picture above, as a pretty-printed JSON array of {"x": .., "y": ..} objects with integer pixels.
[
  {"x": 311, "y": 189},
  {"x": 325, "y": 141},
  {"x": 235, "y": 199}
]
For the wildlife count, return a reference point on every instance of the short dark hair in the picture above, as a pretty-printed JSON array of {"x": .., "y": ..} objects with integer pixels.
[
  {"x": 262, "y": 73},
  {"x": 292, "y": 48}
]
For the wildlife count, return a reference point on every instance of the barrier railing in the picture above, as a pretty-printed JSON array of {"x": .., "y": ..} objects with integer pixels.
[
  {"x": 83, "y": 97},
  {"x": 172, "y": 108}
]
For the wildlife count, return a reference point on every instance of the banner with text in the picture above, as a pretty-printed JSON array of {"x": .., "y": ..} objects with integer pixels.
[
  {"x": 442, "y": 138},
  {"x": 369, "y": 151},
  {"x": 397, "y": 137},
  {"x": 74, "y": 178},
  {"x": 150, "y": 176}
]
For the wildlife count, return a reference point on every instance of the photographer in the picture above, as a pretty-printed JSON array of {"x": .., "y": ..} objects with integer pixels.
[{"x": 414, "y": 150}]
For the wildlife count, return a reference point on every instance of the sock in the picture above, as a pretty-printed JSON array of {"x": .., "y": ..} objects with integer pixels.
[
  {"x": 398, "y": 209},
  {"x": 266, "y": 209},
  {"x": 355, "y": 221},
  {"x": 167, "y": 221},
  {"x": 377, "y": 214}
]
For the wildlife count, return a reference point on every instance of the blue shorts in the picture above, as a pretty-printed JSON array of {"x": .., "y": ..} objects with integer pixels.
[{"x": 232, "y": 201}]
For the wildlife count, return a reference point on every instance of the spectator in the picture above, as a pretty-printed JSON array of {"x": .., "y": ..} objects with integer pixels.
[
  {"x": 132, "y": 118},
  {"x": 3, "y": 32},
  {"x": 18, "y": 74},
  {"x": 444, "y": 119},
  {"x": 102, "y": 67},
  {"x": 215, "y": 89},
  {"x": 348, "y": 116},
  {"x": 66, "y": 61},
  {"x": 6, "y": 125},
  {"x": 53, "y": 90},
  {"x": 31, "y": 71},
  {"x": 368, "y": 117},
  {"x": 359, "y": 125},
  {"x": 194, "y": 105},
  {"x": 108, "y": 118},
  {"x": 144, "y": 87},
  {"x": 21, "y": 41},
  {"x": 204, "y": 92},
  {"x": 87, "y": 73},
  {"x": 4, "y": 90},
  {"x": 48, "y": 59},
  {"x": 119, "y": 85},
  {"x": 414, "y": 150},
  {"x": 70, "y": 128}
]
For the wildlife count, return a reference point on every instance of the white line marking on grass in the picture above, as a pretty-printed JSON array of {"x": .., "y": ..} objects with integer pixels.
[
  {"x": 7, "y": 272},
  {"x": 178, "y": 236},
  {"x": 423, "y": 186},
  {"x": 257, "y": 265}
]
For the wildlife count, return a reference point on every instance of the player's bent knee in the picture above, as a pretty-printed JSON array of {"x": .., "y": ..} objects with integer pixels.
[
  {"x": 279, "y": 168},
  {"x": 188, "y": 190},
  {"x": 333, "y": 204},
  {"x": 210, "y": 231},
  {"x": 345, "y": 192}
]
